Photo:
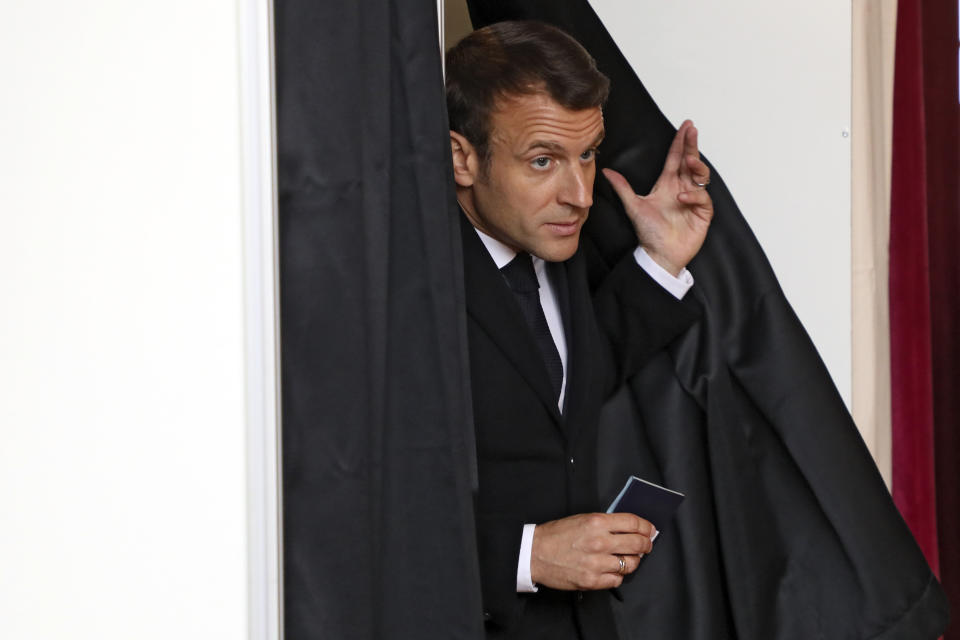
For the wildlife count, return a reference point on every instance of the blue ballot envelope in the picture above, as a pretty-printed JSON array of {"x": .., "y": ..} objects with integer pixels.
[{"x": 648, "y": 500}]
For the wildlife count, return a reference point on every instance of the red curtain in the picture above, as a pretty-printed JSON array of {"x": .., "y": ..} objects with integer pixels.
[
  {"x": 911, "y": 374},
  {"x": 925, "y": 282}
]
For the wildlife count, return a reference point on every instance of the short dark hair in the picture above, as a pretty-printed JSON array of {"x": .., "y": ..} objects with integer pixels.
[{"x": 516, "y": 58}]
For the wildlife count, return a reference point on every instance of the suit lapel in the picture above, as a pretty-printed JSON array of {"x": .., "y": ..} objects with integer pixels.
[{"x": 491, "y": 304}]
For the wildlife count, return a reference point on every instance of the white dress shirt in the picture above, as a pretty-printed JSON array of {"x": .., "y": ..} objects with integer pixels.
[{"x": 502, "y": 255}]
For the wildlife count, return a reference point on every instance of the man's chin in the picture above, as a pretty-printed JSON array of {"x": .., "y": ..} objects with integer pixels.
[{"x": 558, "y": 251}]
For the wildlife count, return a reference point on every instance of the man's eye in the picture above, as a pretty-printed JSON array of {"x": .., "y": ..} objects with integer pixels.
[
  {"x": 588, "y": 155},
  {"x": 541, "y": 162}
]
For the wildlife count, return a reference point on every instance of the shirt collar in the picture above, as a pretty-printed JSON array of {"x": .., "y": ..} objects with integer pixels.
[{"x": 502, "y": 254}]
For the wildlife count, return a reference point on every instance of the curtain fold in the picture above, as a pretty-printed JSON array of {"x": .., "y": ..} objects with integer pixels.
[
  {"x": 378, "y": 461},
  {"x": 914, "y": 489},
  {"x": 941, "y": 54}
]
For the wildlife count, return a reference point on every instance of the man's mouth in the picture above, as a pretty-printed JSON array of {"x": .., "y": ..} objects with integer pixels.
[{"x": 564, "y": 228}]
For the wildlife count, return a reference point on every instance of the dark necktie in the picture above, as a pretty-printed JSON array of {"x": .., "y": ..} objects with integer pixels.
[{"x": 523, "y": 282}]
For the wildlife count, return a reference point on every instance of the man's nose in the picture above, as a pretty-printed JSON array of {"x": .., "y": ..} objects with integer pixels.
[{"x": 577, "y": 189}]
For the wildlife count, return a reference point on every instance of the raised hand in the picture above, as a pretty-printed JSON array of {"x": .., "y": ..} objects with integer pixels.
[
  {"x": 583, "y": 552},
  {"x": 672, "y": 220}
]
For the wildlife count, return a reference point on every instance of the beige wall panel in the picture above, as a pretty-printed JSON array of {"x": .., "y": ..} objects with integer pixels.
[{"x": 874, "y": 30}]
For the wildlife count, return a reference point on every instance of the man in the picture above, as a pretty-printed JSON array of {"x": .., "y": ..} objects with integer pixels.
[{"x": 552, "y": 330}]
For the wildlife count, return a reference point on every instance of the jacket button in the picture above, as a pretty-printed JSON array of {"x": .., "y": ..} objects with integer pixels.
[
  {"x": 571, "y": 462},
  {"x": 486, "y": 615},
  {"x": 579, "y": 596}
]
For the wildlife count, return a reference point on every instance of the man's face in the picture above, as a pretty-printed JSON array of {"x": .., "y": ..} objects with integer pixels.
[{"x": 537, "y": 189}]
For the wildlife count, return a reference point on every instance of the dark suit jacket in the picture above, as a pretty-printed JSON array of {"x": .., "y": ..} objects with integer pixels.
[{"x": 535, "y": 464}]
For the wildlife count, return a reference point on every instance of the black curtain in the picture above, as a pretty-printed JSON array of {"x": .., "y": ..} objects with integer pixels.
[{"x": 378, "y": 462}]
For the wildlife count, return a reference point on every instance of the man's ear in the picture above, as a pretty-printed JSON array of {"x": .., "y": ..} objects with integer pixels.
[{"x": 465, "y": 160}]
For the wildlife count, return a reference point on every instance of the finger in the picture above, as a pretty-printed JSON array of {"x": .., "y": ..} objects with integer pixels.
[
  {"x": 698, "y": 203},
  {"x": 620, "y": 185},
  {"x": 675, "y": 154},
  {"x": 630, "y": 523},
  {"x": 617, "y": 564},
  {"x": 609, "y": 581},
  {"x": 698, "y": 170},
  {"x": 690, "y": 144},
  {"x": 696, "y": 198},
  {"x": 631, "y": 544},
  {"x": 691, "y": 155},
  {"x": 630, "y": 564},
  {"x": 612, "y": 564},
  {"x": 600, "y": 580}
]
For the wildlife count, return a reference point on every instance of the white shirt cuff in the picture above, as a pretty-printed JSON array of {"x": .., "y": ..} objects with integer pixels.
[
  {"x": 524, "y": 581},
  {"x": 677, "y": 287}
]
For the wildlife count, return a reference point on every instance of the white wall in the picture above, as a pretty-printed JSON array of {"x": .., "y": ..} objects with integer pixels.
[
  {"x": 122, "y": 399},
  {"x": 768, "y": 85}
]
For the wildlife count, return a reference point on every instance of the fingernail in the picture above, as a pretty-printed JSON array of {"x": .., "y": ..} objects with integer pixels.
[{"x": 654, "y": 536}]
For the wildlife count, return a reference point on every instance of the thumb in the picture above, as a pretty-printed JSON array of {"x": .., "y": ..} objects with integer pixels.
[{"x": 621, "y": 186}]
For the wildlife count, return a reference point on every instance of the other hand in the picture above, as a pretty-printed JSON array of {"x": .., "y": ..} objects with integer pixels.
[
  {"x": 672, "y": 220},
  {"x": 583, "y": 552}
]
